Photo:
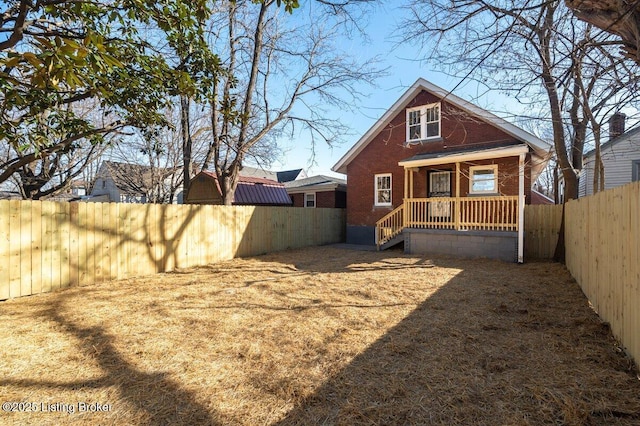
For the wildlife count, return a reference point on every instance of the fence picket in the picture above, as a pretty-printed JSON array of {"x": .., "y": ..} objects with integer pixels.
[
  {"x": 14, "y": 245},
  {"x": 45, "y": 246},
  {"x": 5, "y": 246},
  {"x": 602, "y": 237}
]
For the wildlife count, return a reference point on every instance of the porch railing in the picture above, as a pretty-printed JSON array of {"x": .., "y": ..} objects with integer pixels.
[
  {"x": 390, "y": 226},
  {"x": 468, "y": 213}
]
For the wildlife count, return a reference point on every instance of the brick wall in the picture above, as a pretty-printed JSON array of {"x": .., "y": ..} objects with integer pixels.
[
  {"x": 297, "y": 199},
  {"x": 383, "y": 153},
  {"x": 324, "y": 199}
]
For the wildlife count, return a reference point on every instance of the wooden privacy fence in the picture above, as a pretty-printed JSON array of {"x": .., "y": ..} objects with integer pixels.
[
  {"x": 541, "y": 228},
  {"x": 602, "y": 234},
  {"x": 46, "y": 245}
]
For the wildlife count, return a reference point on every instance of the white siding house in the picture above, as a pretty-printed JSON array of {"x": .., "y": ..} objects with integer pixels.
[
  {"x": 621, "y": 160},
  {"x": 133, "y": 183}
]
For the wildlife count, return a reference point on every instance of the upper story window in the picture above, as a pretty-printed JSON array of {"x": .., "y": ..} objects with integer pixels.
[
  {"x": 483, "y": 179},
  {"x": 423, "y": 122}
]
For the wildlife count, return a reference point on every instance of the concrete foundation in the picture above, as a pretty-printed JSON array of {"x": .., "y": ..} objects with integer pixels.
[
  {"x": 365, "y": 235},
  {"x": 499, "y": 245}
]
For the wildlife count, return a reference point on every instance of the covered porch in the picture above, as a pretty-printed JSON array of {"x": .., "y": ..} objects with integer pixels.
[{"x": 483, "y": 210}]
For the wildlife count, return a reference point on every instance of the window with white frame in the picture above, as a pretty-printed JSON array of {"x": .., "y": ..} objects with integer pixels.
[
  {"x": 483, "y": 179},
  {"x": 383, "y": 189},
  {"x": 635, "y": 170},
  {"x": 423, "y": 122},
  {"x": 310, "y": 199}
]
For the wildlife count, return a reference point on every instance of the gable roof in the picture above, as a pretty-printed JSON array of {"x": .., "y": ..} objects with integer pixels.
[
  {"x": 316, "y": 183},
  {"x": 133, "y": 178},
  {"x": 290, "y": 175},
  {"x": 612, "y": 142},
  {"x": 258, "y": 172},
  {"x": 283, "y": 176},
  {"x": 538, "y": 145}
]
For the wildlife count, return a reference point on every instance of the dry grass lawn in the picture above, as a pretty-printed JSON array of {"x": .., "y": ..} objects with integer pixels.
[{"x": 318, "y": 336}]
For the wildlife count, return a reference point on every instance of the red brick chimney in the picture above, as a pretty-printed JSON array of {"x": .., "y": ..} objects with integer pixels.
[{"x": 616, "y": 125}]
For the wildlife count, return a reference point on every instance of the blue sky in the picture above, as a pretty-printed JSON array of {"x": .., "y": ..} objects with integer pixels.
[{"x": 404, "y": 68}]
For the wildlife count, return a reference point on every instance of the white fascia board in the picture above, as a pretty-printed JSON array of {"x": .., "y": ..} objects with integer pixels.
[
  {"x": 540, "y": 146},
  {"x": 488, "y": 154},
  {"x": 533, "y": 141},
  {"x": 410, "y": 93},
  {"x": 312, "y": 188}
]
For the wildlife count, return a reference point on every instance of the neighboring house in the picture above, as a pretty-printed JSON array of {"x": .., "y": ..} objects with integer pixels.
[
  {"x": 291, "y": 175},
  {"x": 205, "y": 189},
  {"x": 10, "y": 195},
  {"x": 133, "y": 183},
  {"x": 77, "y": 192},
  {"x": 282, "y": 177},
  {"x": 442, "y": 175},
  {"x": 620, "y": 158},
  {"x": 539, "y": 198},
  {"x": 255, "y": 172},
  {"x": 79, "y": 188},
  {"x": 318, "y": 191}
]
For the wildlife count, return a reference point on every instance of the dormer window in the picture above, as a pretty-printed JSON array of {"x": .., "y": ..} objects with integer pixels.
[{"x": 423, "y": 122}]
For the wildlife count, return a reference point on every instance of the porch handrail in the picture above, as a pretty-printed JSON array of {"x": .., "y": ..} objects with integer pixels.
[
  {"x": 390, "y": 225},
  {"x": 489, "y": 213},
  {"x": 496, "y": 213}
]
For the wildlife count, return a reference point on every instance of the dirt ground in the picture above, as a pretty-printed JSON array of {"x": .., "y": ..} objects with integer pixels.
[{"x": 318, "y": 336}]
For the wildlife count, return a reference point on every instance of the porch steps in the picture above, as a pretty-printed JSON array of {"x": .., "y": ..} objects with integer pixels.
[{"x": 392, "y": 242}]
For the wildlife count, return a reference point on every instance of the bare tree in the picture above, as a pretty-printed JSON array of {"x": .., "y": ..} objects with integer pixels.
[
  {"x": 282, "y": 72},
  {"x": 564, "y": 72},
  {"x": 153, "y": 160},
  {"x": 621, "y": 17},
  {"x": 539, "y": 53}
]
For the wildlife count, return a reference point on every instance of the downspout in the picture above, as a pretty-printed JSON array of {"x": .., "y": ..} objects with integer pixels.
[{"x": 521, "y": 202}]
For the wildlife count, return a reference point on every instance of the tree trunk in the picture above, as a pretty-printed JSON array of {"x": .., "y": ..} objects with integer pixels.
[{"x": 187, "y": 144}]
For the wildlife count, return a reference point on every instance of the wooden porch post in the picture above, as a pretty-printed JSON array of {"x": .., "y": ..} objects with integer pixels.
[
  {"x": 457, "y": 203},
  {"x": 521, "y": 202},
  {"x": 408, "y": 194},
  {"x": 406, "y": 183},
  {"x": 411, "y": 180}
]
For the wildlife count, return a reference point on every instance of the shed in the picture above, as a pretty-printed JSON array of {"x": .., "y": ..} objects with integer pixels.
[{"x": 251, "y": 191}]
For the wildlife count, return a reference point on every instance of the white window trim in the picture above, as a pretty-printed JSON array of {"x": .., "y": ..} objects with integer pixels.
[
  {"x": 423, "y": 122},
  {"x": 304, "y": 200},
  {"x": 493, "y": 167},
  {"x": 376, "y": 190},
  {"x": 635, "y": 170}
]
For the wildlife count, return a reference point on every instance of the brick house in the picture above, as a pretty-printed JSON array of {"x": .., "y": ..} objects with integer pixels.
[
  {"x": 318, "y": 192},
  {"x": 442, "y": 175}
]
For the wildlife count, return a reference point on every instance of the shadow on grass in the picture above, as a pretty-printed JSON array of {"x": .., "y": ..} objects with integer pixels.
[
  {"x": 498, "y": 344},
  {"x": 159, "y": 399}
]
